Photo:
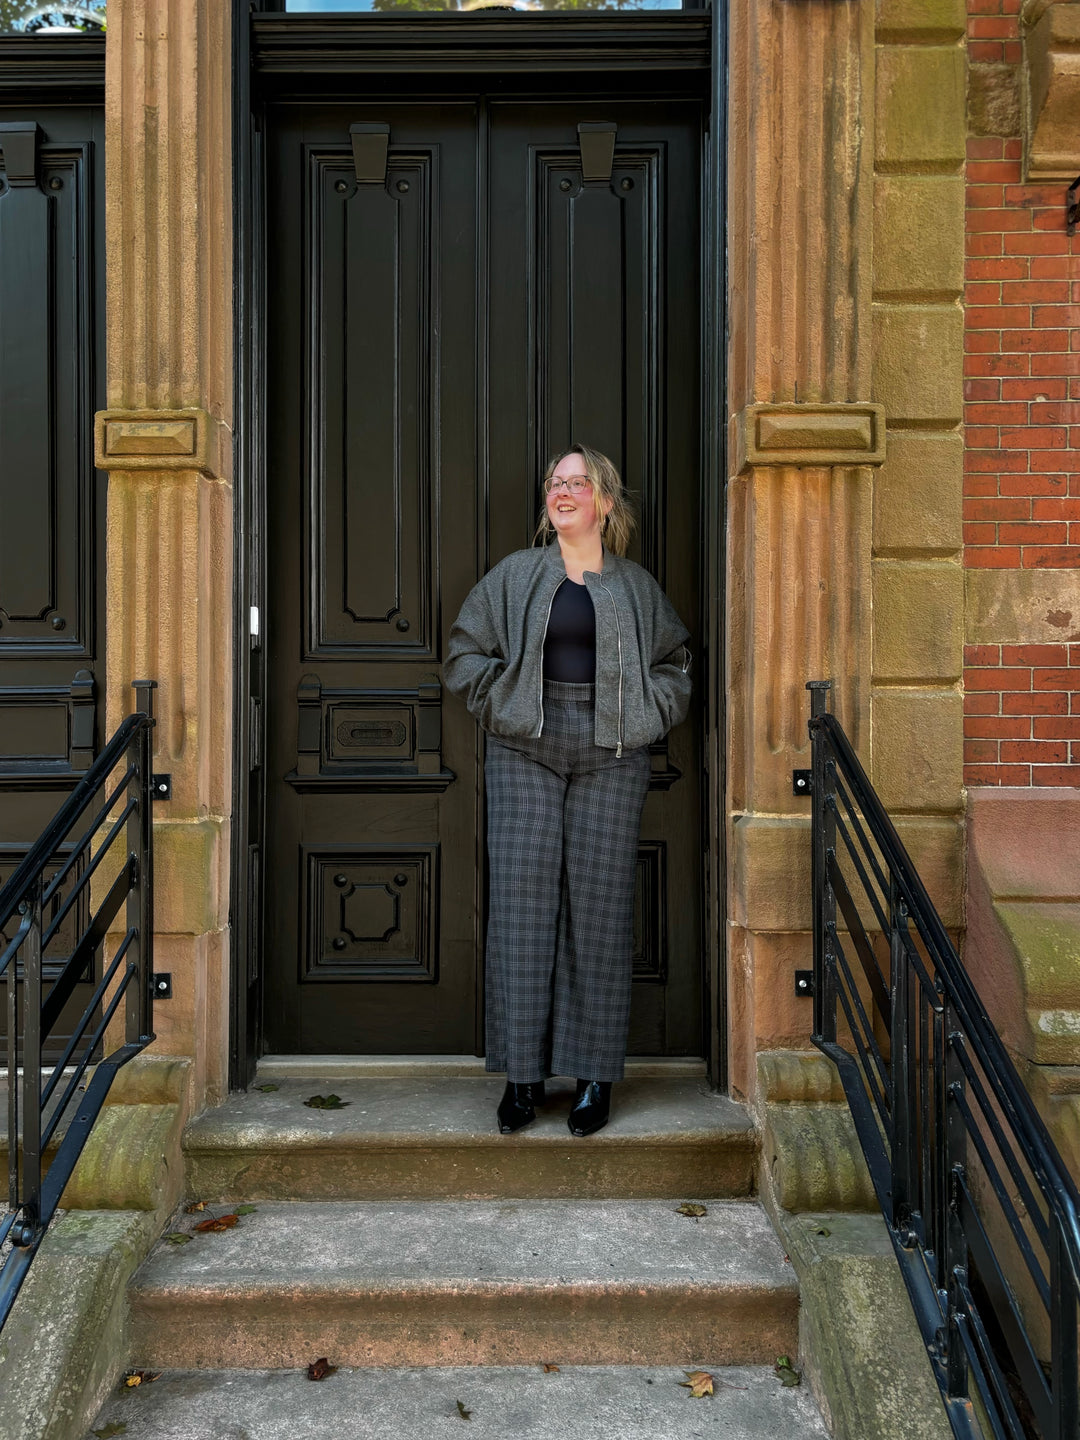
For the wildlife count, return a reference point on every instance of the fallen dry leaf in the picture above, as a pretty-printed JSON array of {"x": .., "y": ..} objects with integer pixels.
[
  {"x": 220, "y": 1222},
  {"x": 246, "y": 1209},
  {"x": 786, "y": 1372},
  {"x": 195, "y": 1207},
  {"x": 266, "y": 1089},
  {"x": 140, "y": 1377},
  {"x": 325, "y": 1102},
  {"x": 691, "y": 1208},
  {"x": 176, "y": 1237},
  {"x": 320, "y": 1369},
  {"x": 465, "y": 1414},
  {"x": 698, "y": 1382},
  {"x": 822, "y": 1230},
  {"x": 551, "y": 1369},
  {"x": 114, "y": 1427}
]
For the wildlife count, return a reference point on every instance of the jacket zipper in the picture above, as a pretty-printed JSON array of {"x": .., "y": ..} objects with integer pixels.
[
  {"x": 543, "y": 641},
  {"x": 618, "y": 632}
]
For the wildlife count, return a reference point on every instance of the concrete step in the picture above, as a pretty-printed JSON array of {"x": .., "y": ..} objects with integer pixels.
[
  {"x": 593, "y": 1403},
  {"x": 431, "y": 1136},
  {"x": 469, "y": 1283}
]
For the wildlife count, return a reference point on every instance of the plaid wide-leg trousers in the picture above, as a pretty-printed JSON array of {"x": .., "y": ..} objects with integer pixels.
[{"x": 563, "y": 823}]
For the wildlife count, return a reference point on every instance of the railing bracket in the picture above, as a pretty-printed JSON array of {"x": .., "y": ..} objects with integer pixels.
[
  {"x": 161, "y": 787},
  {"x": 804, "y": 983},
  {"x": 163, "y": 985},
  {"x": 802, "y": 782}
]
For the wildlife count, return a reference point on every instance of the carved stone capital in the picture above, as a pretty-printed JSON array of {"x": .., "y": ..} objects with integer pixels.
[
  {"x": 1051, "y": 89},
  {"x": 158, "y": 440},
  {"x": 797, "y": 434}
]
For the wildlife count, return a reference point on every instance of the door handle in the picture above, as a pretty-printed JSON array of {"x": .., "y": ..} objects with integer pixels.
[{"x": 370, "y": 144}]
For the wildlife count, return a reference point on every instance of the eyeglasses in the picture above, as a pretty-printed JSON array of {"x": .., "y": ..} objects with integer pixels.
[{"x": 574, "y": 483}]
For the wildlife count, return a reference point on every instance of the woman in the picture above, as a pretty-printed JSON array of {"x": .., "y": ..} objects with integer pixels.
[{"x": 572, "y": 660}]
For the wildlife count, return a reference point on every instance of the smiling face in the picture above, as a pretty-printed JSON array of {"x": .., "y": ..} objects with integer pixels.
[{"x": 575, "y": 518}]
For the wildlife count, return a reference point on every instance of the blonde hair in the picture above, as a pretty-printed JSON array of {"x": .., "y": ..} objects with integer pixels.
[{"x": 616, "y": 524}]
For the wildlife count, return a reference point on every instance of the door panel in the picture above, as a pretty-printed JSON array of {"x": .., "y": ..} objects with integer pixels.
[
  {"x": 604, "y": 311},
  {"x": 372, "y": 799},
  {"x": 52, "y": 502},
  {"x": 435, "y": 335}
]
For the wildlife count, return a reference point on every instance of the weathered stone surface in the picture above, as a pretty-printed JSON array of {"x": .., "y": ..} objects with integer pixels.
[
  {"x": 131, "y": 1161},
  {"x": 918, "y": 620},
  {"x": 801, "y": 83},
  {"x": 169, "y": 547},
  {"x": 918, "y": 749},
  {"x": 801, "y": 1076},
  {"x": 436, "y": 1283},
  {"x": 1023, "y": 918},
  {"x": 1021, "y": 607},
  {"x": 921, "y": 19},
  {"x": 1051, "y": 40},
  {"x": 918, "y": 494},
  {"x": 1008, "y": 829},
  {"x": 813, "y": 1159},
  {"x": 920, "y": 106},
  {"x": 66, "y": 1340},
  {"x": 993, "y": 100},
  {"x": 936, "y": 847},
  {"x": 918, "y": 362},
  {"x": 858, "y": 1339},
  {"x": 150, "y": 1079},
  {"x": 800, "y": 586},
  {"x": 527, "y": 1403},
  {"x": 771, "y": 872},
  {"x": 918, "y": 235},
  {"x": 782, "y": 1019},
  {"x": 414, "y": 1139},
  {"x": 1045, "y": 941},
  {"x": 191, "y": 892}
]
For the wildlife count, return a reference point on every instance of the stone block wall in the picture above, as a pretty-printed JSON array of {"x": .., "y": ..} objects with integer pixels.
[{"x": 1022, "y": 425}]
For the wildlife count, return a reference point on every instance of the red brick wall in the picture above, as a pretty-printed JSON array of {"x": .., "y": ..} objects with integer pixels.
[{"x": 1022, "y": 427}]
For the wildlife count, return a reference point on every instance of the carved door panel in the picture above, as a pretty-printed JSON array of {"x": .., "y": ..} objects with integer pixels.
[
  {"x": 52, "y": 501},
  {"x": 372, "y": 887},
  {"x": 452, "y": 296},
  {"x": 595, "y": 337}
]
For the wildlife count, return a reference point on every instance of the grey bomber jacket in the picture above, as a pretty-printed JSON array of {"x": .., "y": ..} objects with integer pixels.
[{"x": 494, "y": 660}]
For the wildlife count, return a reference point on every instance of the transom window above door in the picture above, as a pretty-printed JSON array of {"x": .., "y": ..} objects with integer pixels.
[{"x": 447, "y": 7}]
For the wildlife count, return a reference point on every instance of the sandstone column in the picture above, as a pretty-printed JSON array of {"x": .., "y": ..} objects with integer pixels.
[
  {"x": 844, "y": 344},
  {"x": 166, "y": 441}
]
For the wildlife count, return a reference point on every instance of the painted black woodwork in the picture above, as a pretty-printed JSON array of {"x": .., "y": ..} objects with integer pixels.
[
  {"x": 431, "y": 339},
  {"x": 52, "y": 502}
]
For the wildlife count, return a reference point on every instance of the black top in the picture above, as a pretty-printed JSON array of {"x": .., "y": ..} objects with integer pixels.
[{"x": 570, "y": 646}]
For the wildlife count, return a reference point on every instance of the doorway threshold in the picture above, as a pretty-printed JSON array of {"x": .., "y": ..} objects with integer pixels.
[{"x": 433, "y": 1067}]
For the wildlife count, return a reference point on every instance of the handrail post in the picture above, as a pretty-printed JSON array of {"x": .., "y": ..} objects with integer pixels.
[
  {"x": 1064, "y": 1368},
  {"x": 902, "y": 1070},
  {"x": 12, "y": 1017},
  {"x": 31, "y": 1068},
  {"x": 139, "y": 1008},
  {"x": 824, "y": 905},
  {"x": 954, "y": 1152}
]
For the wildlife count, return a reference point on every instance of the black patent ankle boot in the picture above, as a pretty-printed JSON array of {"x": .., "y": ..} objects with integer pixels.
[
  {"x": 518, "y": 1105},
  {"x": 591, "y": 1107}
]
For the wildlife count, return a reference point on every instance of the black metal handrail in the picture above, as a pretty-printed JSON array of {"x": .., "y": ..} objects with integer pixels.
[
  {"x": 61, "y": 915},
  {"x": 982, "y": 1211}
]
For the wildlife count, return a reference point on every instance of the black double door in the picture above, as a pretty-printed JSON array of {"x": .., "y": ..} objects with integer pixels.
[{"x": 456, "y": 291}]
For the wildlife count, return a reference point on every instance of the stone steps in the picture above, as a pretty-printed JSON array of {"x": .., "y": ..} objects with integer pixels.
[
  {"x": 435, "y": 1283},
  {"x": 593, "y": 1403},
  {"x": 433, "y": 1136}
]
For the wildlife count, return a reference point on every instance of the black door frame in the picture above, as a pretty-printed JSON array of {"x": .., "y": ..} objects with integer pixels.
[{"x": 290, "y": 56}]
